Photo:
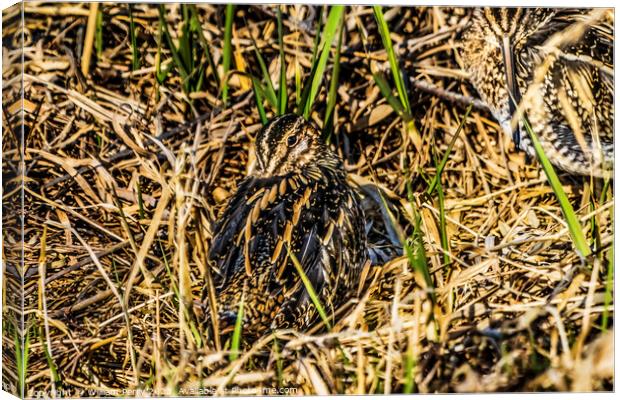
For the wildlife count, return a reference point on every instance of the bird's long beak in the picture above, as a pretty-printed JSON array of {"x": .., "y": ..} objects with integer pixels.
[
  {"x": 511, "y": 81},
  {"x": 255, "y": 165}
]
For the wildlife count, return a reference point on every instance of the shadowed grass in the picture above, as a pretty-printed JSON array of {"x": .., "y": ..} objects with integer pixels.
[
  {"x": 197, "y": 27},
  {"x": 99, "y": 34},
  {"x": 135, "y": 62},
  {"x": 160, "y": 75},
  {"x": 188, "y": 54}
]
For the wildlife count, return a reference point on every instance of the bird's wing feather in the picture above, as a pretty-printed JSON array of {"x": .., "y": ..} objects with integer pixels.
[{"x": 223, "y": 250}]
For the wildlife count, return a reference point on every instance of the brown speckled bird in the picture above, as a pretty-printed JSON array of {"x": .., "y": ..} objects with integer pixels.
[
  {"x": 296, "y": 197},
  {"x": 557, "y": 66}
]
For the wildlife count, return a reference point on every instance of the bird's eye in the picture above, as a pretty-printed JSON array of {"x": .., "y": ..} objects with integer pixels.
[{"x": 292, "y": 140}]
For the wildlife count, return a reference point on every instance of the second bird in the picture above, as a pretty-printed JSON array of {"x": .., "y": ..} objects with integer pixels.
[{"x": 557, "y": 66}]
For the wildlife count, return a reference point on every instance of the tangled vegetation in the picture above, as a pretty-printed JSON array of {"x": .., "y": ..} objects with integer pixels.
[{"x": 137, "y": 125}]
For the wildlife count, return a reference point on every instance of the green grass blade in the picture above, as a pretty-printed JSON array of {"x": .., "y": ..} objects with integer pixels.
[
  {"x": 48, "y": 357},
  {"x": 414, "y": 249},
  {"x": 19, "y": 363},
  {"x": 303, "y": 90},
  {"x": 270, "y": 93},
  {"x": 185, "y": 41},
  {"x": 317, "y": 38},
  {"x": 173, "y": 50},
  {"x": 135, "y": 62},
  {"x": 305, "y": 94},
  {"x": 26, "y": 355},
  {"x": 444, "y": 160},
  {"x": 236, "y": 337},
  {"x": 443, "y": 233},
  {"x": 227, "y": 51},
  {"x": 409, "y": 385},
  {"x": 309, "y": 288},
  {"x": 386, "y": 91},
  {"x": 414, "y": 245},
  {"x": 609, "y": 288},
  {"x": 200, "y": 73},
  {"x": 99, "y": 33},
  {"x": 384, "y": 31},
  {"x": 412, "y": 256},
  {"x": 117, "y": 279},
  {"x": 329, "y": 31},
  {"x": 401, "y": 88},
  {"x": 159, "y": 74},
  {"x": 332, "y": 95},
  {"x": 282, "y": 90},
  {"x": 279, "y": 362},
  {"x": 595, "y": 240},
  {"x": 297, "y": 84},
  {"x": 259, "y": 102},
  {"x": 197, "y": 28},
  {"x": 603, "y": 196},
  {"x": 22, "y": 349},
  {"x": 574, "y": 227}
]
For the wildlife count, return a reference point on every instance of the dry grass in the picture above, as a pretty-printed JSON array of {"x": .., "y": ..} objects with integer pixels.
[{"x": 122, "y": 184}]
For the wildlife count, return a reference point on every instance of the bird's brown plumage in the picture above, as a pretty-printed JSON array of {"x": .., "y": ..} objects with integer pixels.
[{"x": 296, "y": 197}]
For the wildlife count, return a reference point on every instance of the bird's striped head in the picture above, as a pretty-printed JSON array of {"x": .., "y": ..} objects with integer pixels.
[
  {"x": 507, "y": 29},
  {"x": 510, "y": 24},
  {"x": 287, "y": 144}
]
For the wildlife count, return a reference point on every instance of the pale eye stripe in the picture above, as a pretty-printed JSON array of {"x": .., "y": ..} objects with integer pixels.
[
  {"x": 279, "y": 162},
  {"x": 264, "y": 147}
]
